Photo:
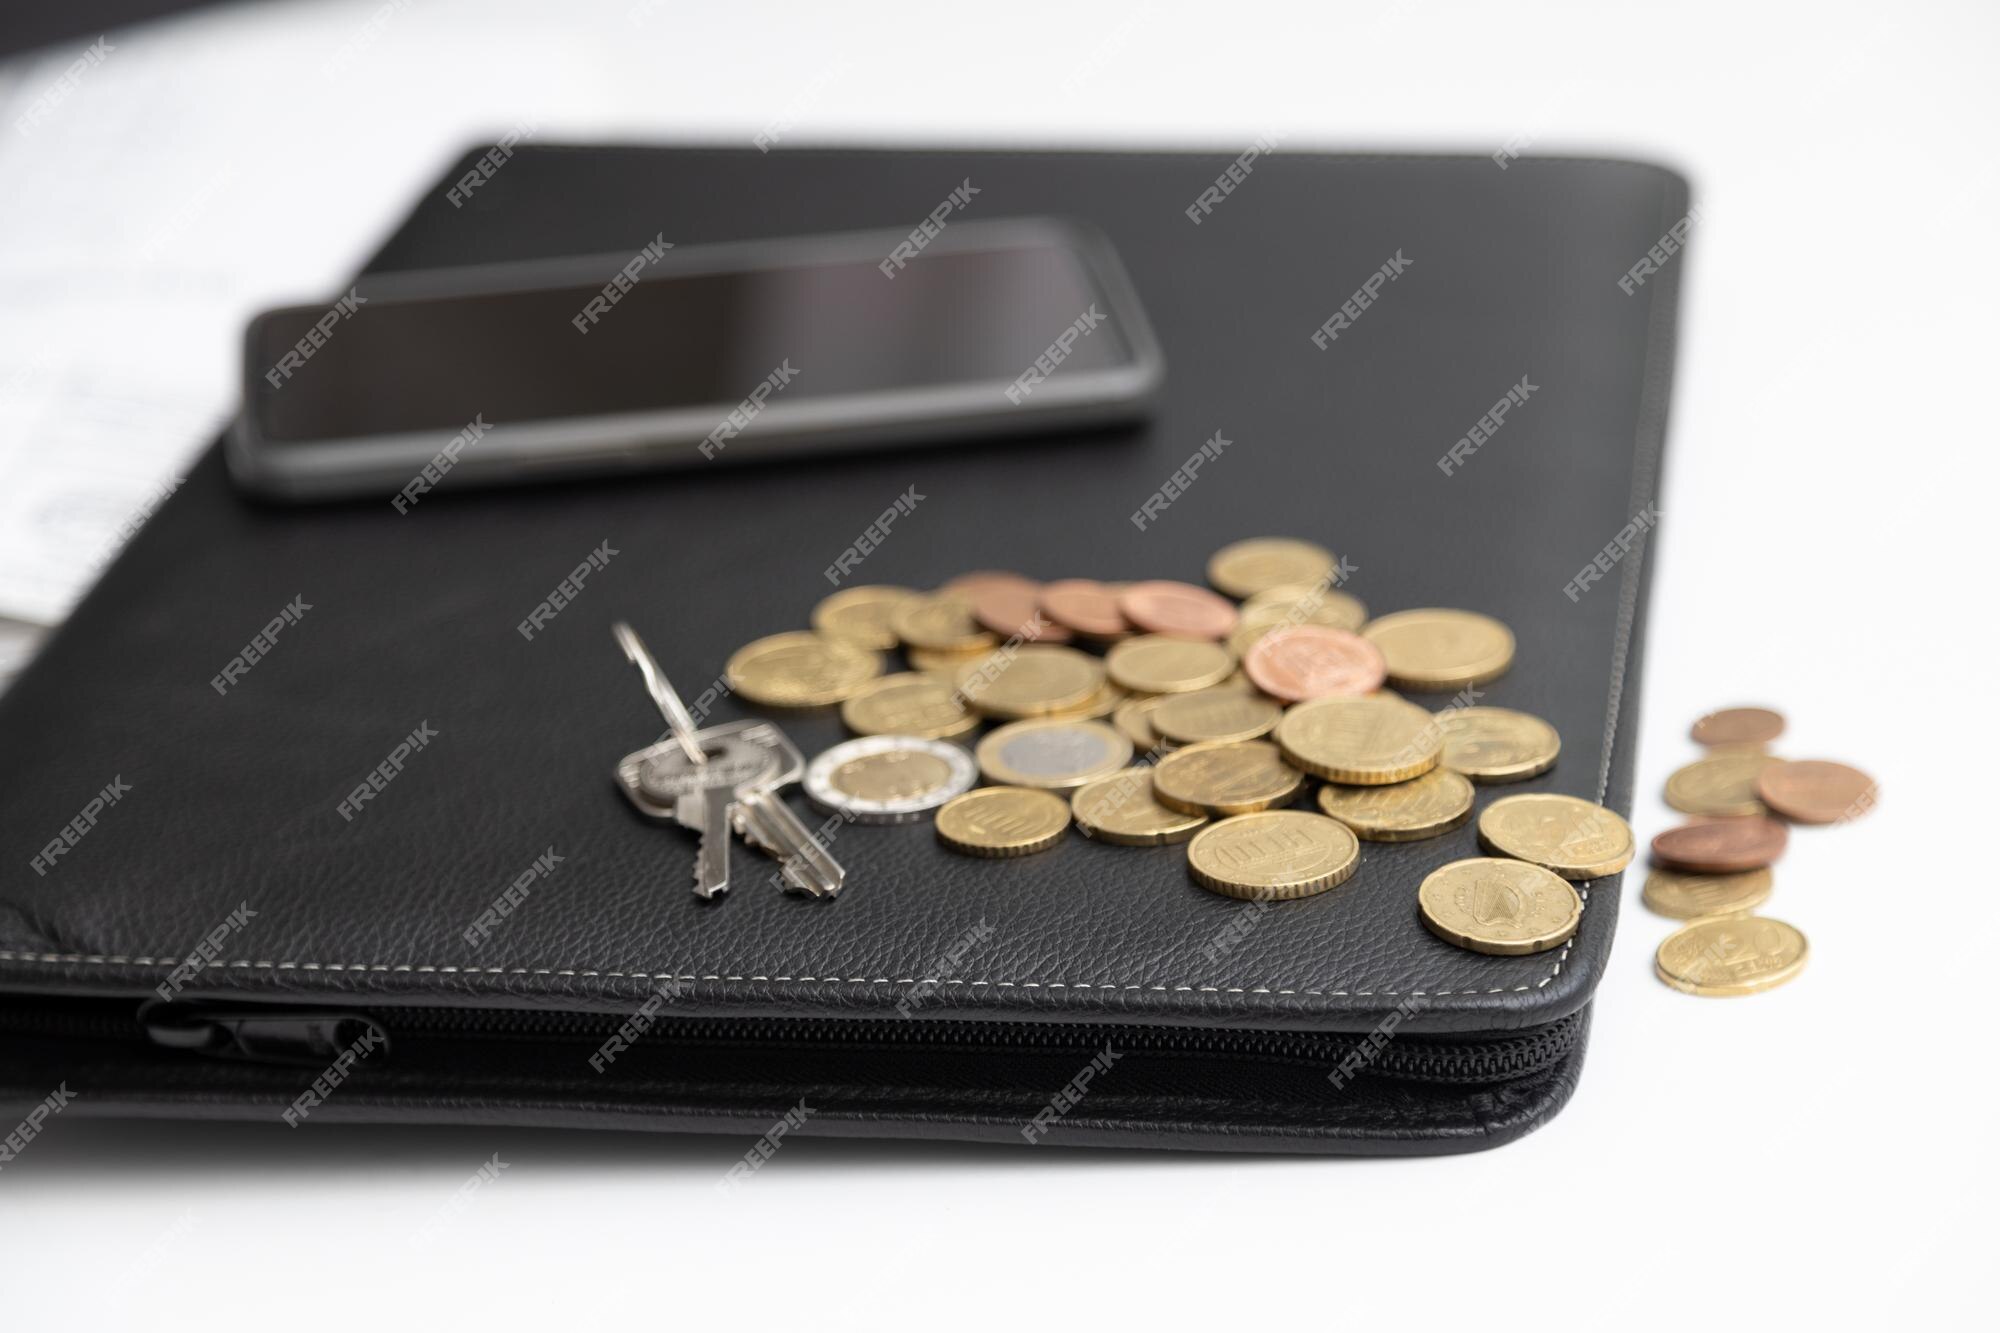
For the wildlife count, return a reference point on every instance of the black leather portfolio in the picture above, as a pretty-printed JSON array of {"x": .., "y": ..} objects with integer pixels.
[{"x": 192, "y": 925}]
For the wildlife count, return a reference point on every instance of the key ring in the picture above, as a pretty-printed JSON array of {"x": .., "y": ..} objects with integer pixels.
[{"x": 669, "y": 703}]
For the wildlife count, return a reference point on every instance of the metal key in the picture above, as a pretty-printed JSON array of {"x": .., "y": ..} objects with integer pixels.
[
  {"x": 707, "y": 810},
  {"x": 714, "y": 803},
  {"x": 803, "y": 863},
  {"x": 709, "y": 807},
  {"x": 767, "y": 823},
  {"x": 664, "y": 784}
]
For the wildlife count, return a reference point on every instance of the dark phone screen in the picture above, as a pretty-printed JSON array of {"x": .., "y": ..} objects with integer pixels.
[{"x": 678, "y": 341}]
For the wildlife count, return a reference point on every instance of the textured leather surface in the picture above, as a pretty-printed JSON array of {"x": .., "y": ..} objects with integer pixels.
[{"x": 413, "y": 619}]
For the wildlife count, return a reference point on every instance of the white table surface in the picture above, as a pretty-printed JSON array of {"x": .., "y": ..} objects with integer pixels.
[{"x": 1824, "y": 1151}]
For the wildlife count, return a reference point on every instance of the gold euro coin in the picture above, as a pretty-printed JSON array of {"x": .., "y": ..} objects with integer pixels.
[
  {"x": 1158, "y": 664},
  {"x": 1731, "y": 955},
  {"x": 1295, "y": 604},
  {"x": 1030, "y": 680},
  {"x": 1255, "y": 621},
  {"x": 932, "y": 661},
  {"x": 1424, "y": 807},
  {"x": 941, "y": 623},
  {"x": 909, "y": 703},
  {"x": 1492, "y": 905},
  {"x": 1218, "y": 714},
  {"x": 1497, "y": 744},
  {"x": 800, "y": 669},
  {"x": 1002, "y": 821},
  {"x": 1573, "y": 837},
  {"x": 1052, "y": 753},
  {"x": 1123, "y": 809},
  {"x": 1441, "y": 649},
  {"x": 862, "y": 615},
  {"x": 1244, "y": 568},
  {"x": 1312, "y": 604},
  {"x": 1684, "y": 895},
  {"x": 1134, "y": 717},
  {"x": 1274, "y": 855},
  {"x": 1366, "y": 742},
  {"x": 1724, "y": 783},
  {"x": 1248, "y": 630},
  {"x": 1103, "y": 703},
  {"x": 1225, "y": 778}
]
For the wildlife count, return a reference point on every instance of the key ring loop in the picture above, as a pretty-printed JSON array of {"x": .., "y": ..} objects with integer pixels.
[{"x": 669, "y": 703}]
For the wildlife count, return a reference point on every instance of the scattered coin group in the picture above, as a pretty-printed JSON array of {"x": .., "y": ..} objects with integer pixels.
[
  {"x": 1715, "y": 871},
  {"x": 1158, "y": 712}
]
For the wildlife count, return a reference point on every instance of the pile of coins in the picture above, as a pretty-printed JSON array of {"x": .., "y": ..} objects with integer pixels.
[
  {"x": 1233, "y": 698},
  {"x": 1715, "y": 870}
]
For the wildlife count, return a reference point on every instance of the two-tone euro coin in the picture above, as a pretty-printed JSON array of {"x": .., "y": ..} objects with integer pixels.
[{"x": 888, "y": 779}]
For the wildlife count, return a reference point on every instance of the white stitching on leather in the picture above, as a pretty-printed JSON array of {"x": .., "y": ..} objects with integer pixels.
[
  {"x": 1643, "y": 478},
  {"x": 141, "y": 960},
  {"x": 1628, "y": 605},
  {"x": 1626, "y": 610}
]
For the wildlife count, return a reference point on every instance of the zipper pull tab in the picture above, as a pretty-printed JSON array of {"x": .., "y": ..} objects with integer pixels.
[{"x": 268, "y": 1036}]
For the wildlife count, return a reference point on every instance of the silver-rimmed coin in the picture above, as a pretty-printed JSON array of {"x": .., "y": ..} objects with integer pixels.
[{"x": 888, "y": 779}]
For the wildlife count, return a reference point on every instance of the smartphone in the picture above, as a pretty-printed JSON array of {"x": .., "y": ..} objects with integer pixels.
[{"x": 683, "y": 357}]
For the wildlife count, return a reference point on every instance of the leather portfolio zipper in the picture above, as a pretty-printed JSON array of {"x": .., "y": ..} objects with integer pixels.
[{"x": 308, "y": 1036}]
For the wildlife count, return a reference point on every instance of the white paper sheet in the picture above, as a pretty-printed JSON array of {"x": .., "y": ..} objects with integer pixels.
[{"x": 160, "y": 186}]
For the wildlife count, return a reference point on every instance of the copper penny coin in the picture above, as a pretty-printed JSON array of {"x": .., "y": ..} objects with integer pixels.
[
  {"x": 1161, "y": 606},
  {"x": 1721, "y": 846},
  {"x": 1816, "y": 791},
  {"x": 1010, "y": 606},
  {"x": 1738, "y": 726},
  {"x": 1086, "y": 606},
  {"x": 967, "y": 585},
  {"x": 1302, "y": 662}
]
